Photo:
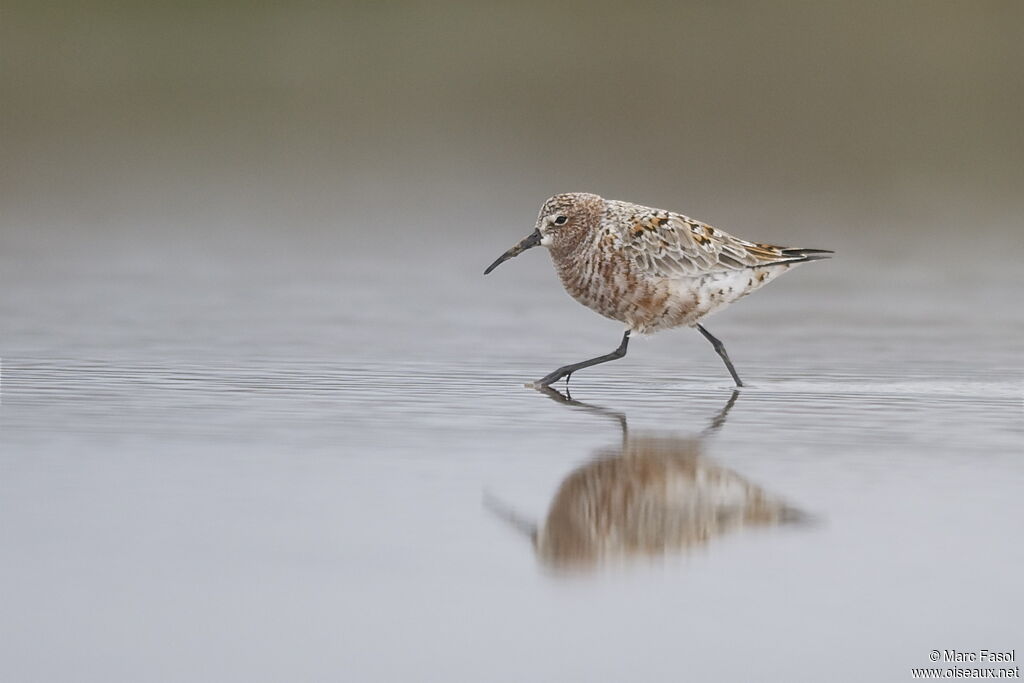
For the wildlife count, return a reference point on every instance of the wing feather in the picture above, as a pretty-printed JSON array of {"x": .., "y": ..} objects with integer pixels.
[{"x": 667, "y": 244}]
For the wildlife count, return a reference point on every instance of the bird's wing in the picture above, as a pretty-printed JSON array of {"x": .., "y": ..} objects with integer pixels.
[{"x": 667, "y": 244}]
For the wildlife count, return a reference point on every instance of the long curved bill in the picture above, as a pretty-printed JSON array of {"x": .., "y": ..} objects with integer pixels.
[{"x": 532, "y": 240}]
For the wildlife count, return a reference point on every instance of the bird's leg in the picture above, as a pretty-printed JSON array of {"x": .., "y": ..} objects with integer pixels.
[
  {"x": 569, "y": 369},
  {"x": 720, "y": 349}
]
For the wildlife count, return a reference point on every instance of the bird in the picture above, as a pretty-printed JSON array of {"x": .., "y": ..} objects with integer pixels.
[{"x": 649, "y": 268}]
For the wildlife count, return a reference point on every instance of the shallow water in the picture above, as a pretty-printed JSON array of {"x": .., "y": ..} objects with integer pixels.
[{"x": 306, "y": 470}]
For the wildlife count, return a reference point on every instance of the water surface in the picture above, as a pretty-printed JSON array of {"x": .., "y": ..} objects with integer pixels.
[{"x": 235, "y": 478}]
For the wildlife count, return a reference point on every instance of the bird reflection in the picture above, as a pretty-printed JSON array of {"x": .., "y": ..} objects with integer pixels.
[{"x": 651, "y": 496}]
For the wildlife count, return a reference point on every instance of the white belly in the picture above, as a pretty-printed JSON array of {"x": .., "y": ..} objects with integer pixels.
[{"x": 700, "y": 297}]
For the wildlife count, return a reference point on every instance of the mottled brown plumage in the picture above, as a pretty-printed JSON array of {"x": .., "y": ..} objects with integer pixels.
[{"x": 649, "y": 268}]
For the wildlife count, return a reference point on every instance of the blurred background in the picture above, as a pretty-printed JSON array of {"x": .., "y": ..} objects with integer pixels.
[
  {"x": 356, "y": 117},
  {"x": 170, "y": 145}
]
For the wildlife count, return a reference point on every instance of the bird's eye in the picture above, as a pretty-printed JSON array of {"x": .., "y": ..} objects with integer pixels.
[{"x": 561, "y": 220}]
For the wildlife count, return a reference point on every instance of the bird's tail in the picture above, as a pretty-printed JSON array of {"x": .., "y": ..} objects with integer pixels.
[{"x": 796, "y": 255}]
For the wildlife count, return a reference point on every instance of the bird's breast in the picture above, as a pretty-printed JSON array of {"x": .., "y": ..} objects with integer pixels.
[{"x": 610, "y": 285}]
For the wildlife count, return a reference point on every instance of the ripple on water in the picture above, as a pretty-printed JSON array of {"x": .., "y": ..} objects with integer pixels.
[{"x": 343, "y": 403}]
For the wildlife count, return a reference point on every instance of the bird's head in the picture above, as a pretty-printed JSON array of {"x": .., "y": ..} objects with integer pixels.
[{"x": 564, "y": 220}]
